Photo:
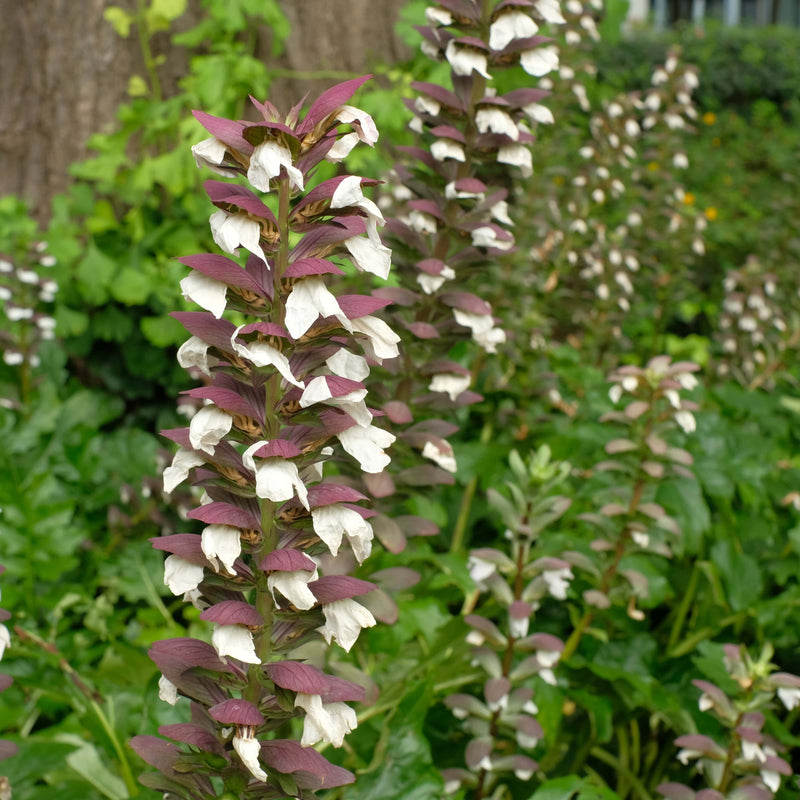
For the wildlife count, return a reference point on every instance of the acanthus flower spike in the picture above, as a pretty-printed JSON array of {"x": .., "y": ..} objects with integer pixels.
[{"x": 284, "y": 392}]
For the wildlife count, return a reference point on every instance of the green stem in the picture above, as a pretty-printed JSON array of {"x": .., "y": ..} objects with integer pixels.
[
  {"x": 147, "y": 53},
  {"x": 460, "y": 529},
  {"x": 622, "y": 770},
  {"x": 683, "y": 608},
  {"x": 125, "y": 767}
]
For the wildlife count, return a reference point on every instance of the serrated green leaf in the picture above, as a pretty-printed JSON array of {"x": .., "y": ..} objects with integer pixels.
[
  {"x": 95, "y": 272},
  {"x": 131, "y": 287}
]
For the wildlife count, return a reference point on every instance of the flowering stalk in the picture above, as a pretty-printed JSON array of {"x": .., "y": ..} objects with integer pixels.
[
  {"x": 7, "y": 749},
  {"x": 632, "y": 522},
  {"x": 284, "y": 401},
  {"x": 450, "y": 219},
  {"x": 749, "y": 767},
  {"x": 503, "y": 723}
]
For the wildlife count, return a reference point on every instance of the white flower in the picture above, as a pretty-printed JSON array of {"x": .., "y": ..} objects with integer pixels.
[
  {"x": 444, "y": 148},
  {"x": 366, "y": 130},
  {"x": 167, "y": 691},
  {"x": 348, "y": 193},
  {"x": 207, "y": 292},
  {"x": 348, "y": 365},
  {"x": 789, "y": 697},
  {"x": 235, "y": 641},
  {"x": 495, "y": 120},
  {"x": 771, "y": 778},
  {"x": 483, "y": 330},
  {"x": 480, "y": 569},
  {"x": 182, "y": 462},
  {"x": 551, "y": 11},
  {"x": 5, "y": 639},
  {"x": 539, "y": 61},
  {"x": 465, "y": 59},
  {"x": 557, "y": 581},
  {"x": 341, "y": 149},
  {"x": 539, "y": 113},
  {"x": 266, "y": 162},
  {"x": 181, "y": 575},
  {"x": 211, "y": 153},
  {"x": 369, "y": 255},
  {"x": 449, "y": 383},
  {"x": 686, "y": 421},
  {"x": 486, "y": 236},
  {"x": 207, "y": 428},
  {"x": 334, "y": 521},
  {"x": 381, "y": 340},
  {"x": 344, "y": 620},
  {"x": 751, "y": 751},
  {"x": 309, "y": 300},
  {"x": 232, "y": 230},
  {"x": 325, "y": 722},
  {"x": 441, "y": 454},
  {"x": 421, "y": 222},
  {"x": 318, "y": 391},
  {"x": 509, "y": 26},
  {"x": 194, "y": 353},
  {"x": 277, "y": 479},
  {"x": 427, "y": 105},
  {"x": 366, "y": 446},
  {"x": 680, "y": 161},
  {"x": 249, "y": 749},
  {"x": 294, "y": 587},
  {"x": 261, "y": 354},
  {"x": 221, "y": 543},
  {"x": 516, "y": 155}
]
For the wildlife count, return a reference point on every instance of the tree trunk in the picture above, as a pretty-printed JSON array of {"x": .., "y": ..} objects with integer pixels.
[{"x": 64, "y": 71}]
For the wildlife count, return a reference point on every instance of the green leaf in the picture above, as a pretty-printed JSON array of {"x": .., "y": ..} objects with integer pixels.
[
  {"x": 95, "y": 272},
  {"x": 120, "y": 20},
  {"x": 572, "y": 786},
  {"x": 740, "y": 574},
  {"x": 70, "y": 322},
  {"x": 137, "y": 86},
  {"x": 131, "y": 287},
  {"x": 163, "y": 331},
  {"x": 91, "y": 767}
]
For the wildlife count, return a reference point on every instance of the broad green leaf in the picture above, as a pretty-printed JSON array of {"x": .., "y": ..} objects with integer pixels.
[
  {"x": 131, "y": 287},
  {"x": 95, "y": 272},
  {"x": 88, "y": 763},
  {"x": 137, "y": 86},
  {"x": 740, "y": 574},
  {"x": 119, "y": 19}
]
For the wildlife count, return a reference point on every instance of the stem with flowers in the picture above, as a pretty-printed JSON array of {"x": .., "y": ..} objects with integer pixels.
[{"x": 284, "y": 402}]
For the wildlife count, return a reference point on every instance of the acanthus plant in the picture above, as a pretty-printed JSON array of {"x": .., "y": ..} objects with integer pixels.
[
  {"x": 633, "y": 159},
  {"x": 285, "y": 401},
  {"x": 513, "y": 582},
  {"x": 450, "y": 226},
  {"x": 740, "y": 760},
  {"x": 631, "y": 524}
]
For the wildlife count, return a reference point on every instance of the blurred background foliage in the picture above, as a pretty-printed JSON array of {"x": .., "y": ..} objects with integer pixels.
[{"x": 80, "y": 465}]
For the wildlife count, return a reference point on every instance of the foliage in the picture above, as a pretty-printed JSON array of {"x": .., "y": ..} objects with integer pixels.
[{"x": 673, "y": 592}]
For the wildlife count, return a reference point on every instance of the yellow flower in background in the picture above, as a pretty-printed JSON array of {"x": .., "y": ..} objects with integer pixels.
[
  {"x": 558, "y": 180},
  {"x": 688, "y": 199},
  {"x": 716, "y": 141},
  {"x": 711, "y": 213},
  {"x": 653, "y": 166},
  {"x": 709, "y": 118},
  {"x": 727, "y": 180}
]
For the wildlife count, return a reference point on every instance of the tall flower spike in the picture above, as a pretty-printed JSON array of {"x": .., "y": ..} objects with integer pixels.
[{"x": 284, "y": 393}]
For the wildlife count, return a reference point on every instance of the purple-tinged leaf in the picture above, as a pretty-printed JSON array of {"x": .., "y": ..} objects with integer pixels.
[
  {"x": 325, "y": 494},
  {"x": 462, "y": 8},
  {"x": 495, "y": 689},
  {"x": 331, "y": 588},
  {"x": 465, "y": 301},
  {"x": 441, "y": 95},
  {"x": 417, "y": 526},
  {"x": 425, "y": 475},
  {"x": 652, "y": 510},
  {"x": 398, "y": 412},
  {"x": 226, "y": 130},
  {"x": 225, "y": 514},
  {"x": 228, "y": 195},
  {"x": 267, "y": 328},
  {"x": 448, "y": 132},
  {"x": 203, "y": 325},
  {"x": 329, "y": 101},
  {"x": 713, "y": 794},
  {"x": 379, "y": 484},
  {"x": 304, "y": 267},
  {"x": 7, "y": 749},
  {"x": 175, "y": 656},
  {"x": 266, "y": 109},
  {"x": 529, "y": 726},
  {"x": 258, "y": 132},
  {"x": 524, "y": 97},
  {"x": 5, "y": 682},
  {"x": 226, "y": 399},
  {"x": 476, "y": 751},
  {"x": 298, "y": 677},
  {"x": 156, "y": 752},
  {"x": 596, "y": 598},
  {"x": 435, "y": 427},
  {"x": 382, "y": 607},
  {"x": 396, "y": 579},
  {"x": 232, "y": 612},
  {"x": 397, "y": 295},
  {"x": 389, "y": 533},
  {"x": 423, "y": 330},
  {"x": 185, "y": 545},
  {"x": 486, "y": 627},
  {"x": 675, "y": 791},
  {"x": 236, "y": 712},
  {"x": 278, "y": 448},
  {"x": 310, "y": 769},
  {"x": 359, "y": 305},
  {"x": 188, "y": 733},
  {"x": 286, "y": 560},
  {"x": 221, "y": 269}
]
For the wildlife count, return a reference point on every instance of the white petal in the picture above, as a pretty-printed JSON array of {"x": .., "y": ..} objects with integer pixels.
[
  {"x": 430, "y": 283},
  {"x": 341, "y": 149},
  {"x": 182, "y": 462},
  {"x": 348, "y": 365},
  {"x": 447, "y": 148},
  {"x": 539, "y": 113},
  {"x": 167, "y": 691},
  {"x": 517, "y": 155},
  {"x": 211, "y": 153},
  {"x": 509, "y": 26},
  {"x": 440, "y": 454},
  {"x": 334, "y": 521},
  {"x": 194, "y": 353},
  {"x": 181, "y": 575},
  {"x": 495, "y": 120},
  {"x": 236, "y": 642},
  {"x": 309, "y": 300},
  {"x": 464, "y": 60},
  {"x": 551, "y": 11},
  {"x": 261, "y": 354},
  {"x": 366, "y": 446},
  {"x": 344, "y": 620},
  {"x": 325, "y": 722},
  {"x": 5, "y": 639},
  {"x": 207, "y": 428},
  {"x": 277, "y": 479},
  {"x": 249, "y": 750},
  {"x": 366, "y": 130},
  {"x": 369, "y": 256},
  {"x": 232, "y": 230},
  {"x": 221, "y": 542},
  {"x": 294, "y": 587},
  {"x": 206, "y": 292},
  {"x": 539, "y": 61},
  {"x": 449, "y": 383},
  {"x": 266, "y": 162},
  {"x": 382, "y": 340}
]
